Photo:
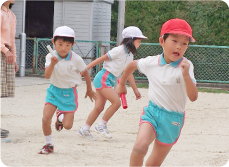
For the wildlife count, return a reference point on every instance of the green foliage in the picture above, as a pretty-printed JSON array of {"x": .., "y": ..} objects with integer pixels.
[{"x": 208, "y": 19}]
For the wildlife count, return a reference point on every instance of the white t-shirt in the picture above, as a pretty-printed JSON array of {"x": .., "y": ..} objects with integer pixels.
[
  {"x": 166, "y": 84},
  {"x": 66, "y": 72},
  {"x": 119, "y": 58}
]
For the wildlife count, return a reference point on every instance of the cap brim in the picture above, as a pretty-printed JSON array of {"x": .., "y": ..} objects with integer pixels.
[
  {"x": 142, "y": 36},
  {"x": 63, "y": 35}
]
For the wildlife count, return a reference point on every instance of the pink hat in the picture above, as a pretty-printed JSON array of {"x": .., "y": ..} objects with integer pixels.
[{"x": 177, "y": 26}]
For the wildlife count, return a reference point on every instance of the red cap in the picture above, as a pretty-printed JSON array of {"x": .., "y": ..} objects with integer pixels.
[{"x": 177, "y": 26}]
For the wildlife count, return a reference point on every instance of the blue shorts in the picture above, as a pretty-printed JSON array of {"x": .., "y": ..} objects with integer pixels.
[
  {"x": 166, "y": 124},
  {"x": 104, "y": 79},
  {"x": 66, "y": 100}
]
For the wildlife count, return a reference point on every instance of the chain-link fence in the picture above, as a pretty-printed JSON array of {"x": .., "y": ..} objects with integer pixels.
[
  {"x": 211, "y": 63},
  {"x": 88, "y": 50}
]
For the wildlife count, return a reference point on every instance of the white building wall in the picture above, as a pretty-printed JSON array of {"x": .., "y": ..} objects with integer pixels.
[{"x": 101, "y": 22}]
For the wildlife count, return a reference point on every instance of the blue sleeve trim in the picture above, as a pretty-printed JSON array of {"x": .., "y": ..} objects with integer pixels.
[
  {"x": 193, "y": 81},
  {"x": 84, "y": 69},
  {"x": 109, "y": 55}
]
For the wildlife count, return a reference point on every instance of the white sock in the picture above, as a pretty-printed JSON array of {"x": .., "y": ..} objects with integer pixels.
[
  {"x": 86, "y": 127},
  {"x": 48, "y": 139},
  {"x": 102, "y": 123},
  {"x": 61, "y": 117}
]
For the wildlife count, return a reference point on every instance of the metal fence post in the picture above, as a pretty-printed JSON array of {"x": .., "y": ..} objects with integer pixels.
[
  {"x": 34, "y": 55},
  {"x": 22, "y": 54}
]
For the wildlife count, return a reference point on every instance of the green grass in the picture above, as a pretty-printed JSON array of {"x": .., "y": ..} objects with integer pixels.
[{"x": 208, "y": 90}]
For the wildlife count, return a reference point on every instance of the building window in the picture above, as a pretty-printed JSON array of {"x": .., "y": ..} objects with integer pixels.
[{"x": 39, "y": 19}]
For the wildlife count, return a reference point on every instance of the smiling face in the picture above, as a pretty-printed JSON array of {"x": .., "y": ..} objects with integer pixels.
[
  {"x": 62, "y": 47},
  {"x": 174, "y": 46}
]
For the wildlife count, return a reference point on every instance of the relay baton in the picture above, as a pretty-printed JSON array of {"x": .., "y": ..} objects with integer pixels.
[
  {"x": 50, "y": 50},
  {"x": 123, "y": 99}
]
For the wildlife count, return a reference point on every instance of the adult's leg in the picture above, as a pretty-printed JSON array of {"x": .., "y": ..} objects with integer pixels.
[
  {"x": 145, "y": 137},
  {"x": 10, "y": 79},
  {"x": 3, "y": 76}
]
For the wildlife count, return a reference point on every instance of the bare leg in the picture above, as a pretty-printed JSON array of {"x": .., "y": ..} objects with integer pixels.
[
  {"x": 99, "y": 106},
  {"x": 68, "y": 120},
  {"x": 158, "y": 154},
  {"x": 111, "y": 95},
  {"x": 48, "y": 112},
  {"x": 145, "y": 137}
]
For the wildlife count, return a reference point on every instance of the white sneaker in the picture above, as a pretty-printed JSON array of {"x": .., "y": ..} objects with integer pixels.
[
  {"x": 86, "y": 134},
  {"x": 103, "y": 131}
]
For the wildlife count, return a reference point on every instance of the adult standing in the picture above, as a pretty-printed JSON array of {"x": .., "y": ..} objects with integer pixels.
[{"x": 8, "y": 53}]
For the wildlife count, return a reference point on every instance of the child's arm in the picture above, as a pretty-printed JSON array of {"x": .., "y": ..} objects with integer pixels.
[
  {"x": 97, "y": 61},
  {"x": 49, "y": 69},
  {"x": 134, "y": 87},
  {"x": 191, "y": 89},
  {"x": 131, "y": 67},
  {"x": 90, "y": 92}
]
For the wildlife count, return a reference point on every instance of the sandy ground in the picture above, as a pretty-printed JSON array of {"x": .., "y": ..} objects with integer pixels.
[{"x": 204, "y": 140}]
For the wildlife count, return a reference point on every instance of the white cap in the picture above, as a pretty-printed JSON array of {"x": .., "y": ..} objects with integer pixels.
[
  {"x": 132, "y": 32},
  {"x": 64, "y": 31}
]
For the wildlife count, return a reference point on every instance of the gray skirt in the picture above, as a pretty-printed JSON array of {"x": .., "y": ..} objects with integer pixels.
[{"x": 7, "y": 78}]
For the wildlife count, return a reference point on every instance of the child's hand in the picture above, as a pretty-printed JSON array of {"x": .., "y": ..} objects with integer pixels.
[
  {"x": 137, "y": 94},
  {"x": 120, "y": 89},
  {"x": 185, "y": 67},
  {"x": 54, "y": 60},
  {"x": 9, "y": 57},
  {"x": 91, "y": 94}
]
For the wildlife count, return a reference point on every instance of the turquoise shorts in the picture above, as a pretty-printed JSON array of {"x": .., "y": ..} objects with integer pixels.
[
  {"x": 166, "y": 124},
  {"x": 66, "y": 100},
  {"x": 104, "y": 79}
]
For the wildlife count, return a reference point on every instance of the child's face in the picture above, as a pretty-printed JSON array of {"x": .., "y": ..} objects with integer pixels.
[
  {"x": 62, "y": 47},
  {"x": 137, "y": 43},
  {"x": 174, "y": 46}
]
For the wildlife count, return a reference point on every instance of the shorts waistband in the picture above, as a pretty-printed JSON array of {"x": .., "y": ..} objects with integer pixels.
[
  {"x": 151, "y": 104},
  {"x": 61, "y": 89},
  {"x": 103, "y": 69}
]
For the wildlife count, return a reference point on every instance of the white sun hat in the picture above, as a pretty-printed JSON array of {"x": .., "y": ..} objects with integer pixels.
[
  {"x": 132, "y": 32},
  {"x": 64, "y": 31}
]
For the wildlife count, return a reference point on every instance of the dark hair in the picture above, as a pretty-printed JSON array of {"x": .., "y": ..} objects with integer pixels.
[
  {"x": 165, "y": 36},
  {"x": 10, "y": 6},
  {"x": 65, "y": 39},
  {"x": 130, "y": 45}
]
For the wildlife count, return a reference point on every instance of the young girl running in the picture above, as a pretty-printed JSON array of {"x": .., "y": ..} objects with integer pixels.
[
  {"x": 171, "y": 83},
  {"x": 114, "y": 63}
]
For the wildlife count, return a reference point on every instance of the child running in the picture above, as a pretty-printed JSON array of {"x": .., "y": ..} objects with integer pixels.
[
  {"x": 64, "y": 73},
  {"x": 115, "y": 61},
  {"x": 171, "y": 83}
]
